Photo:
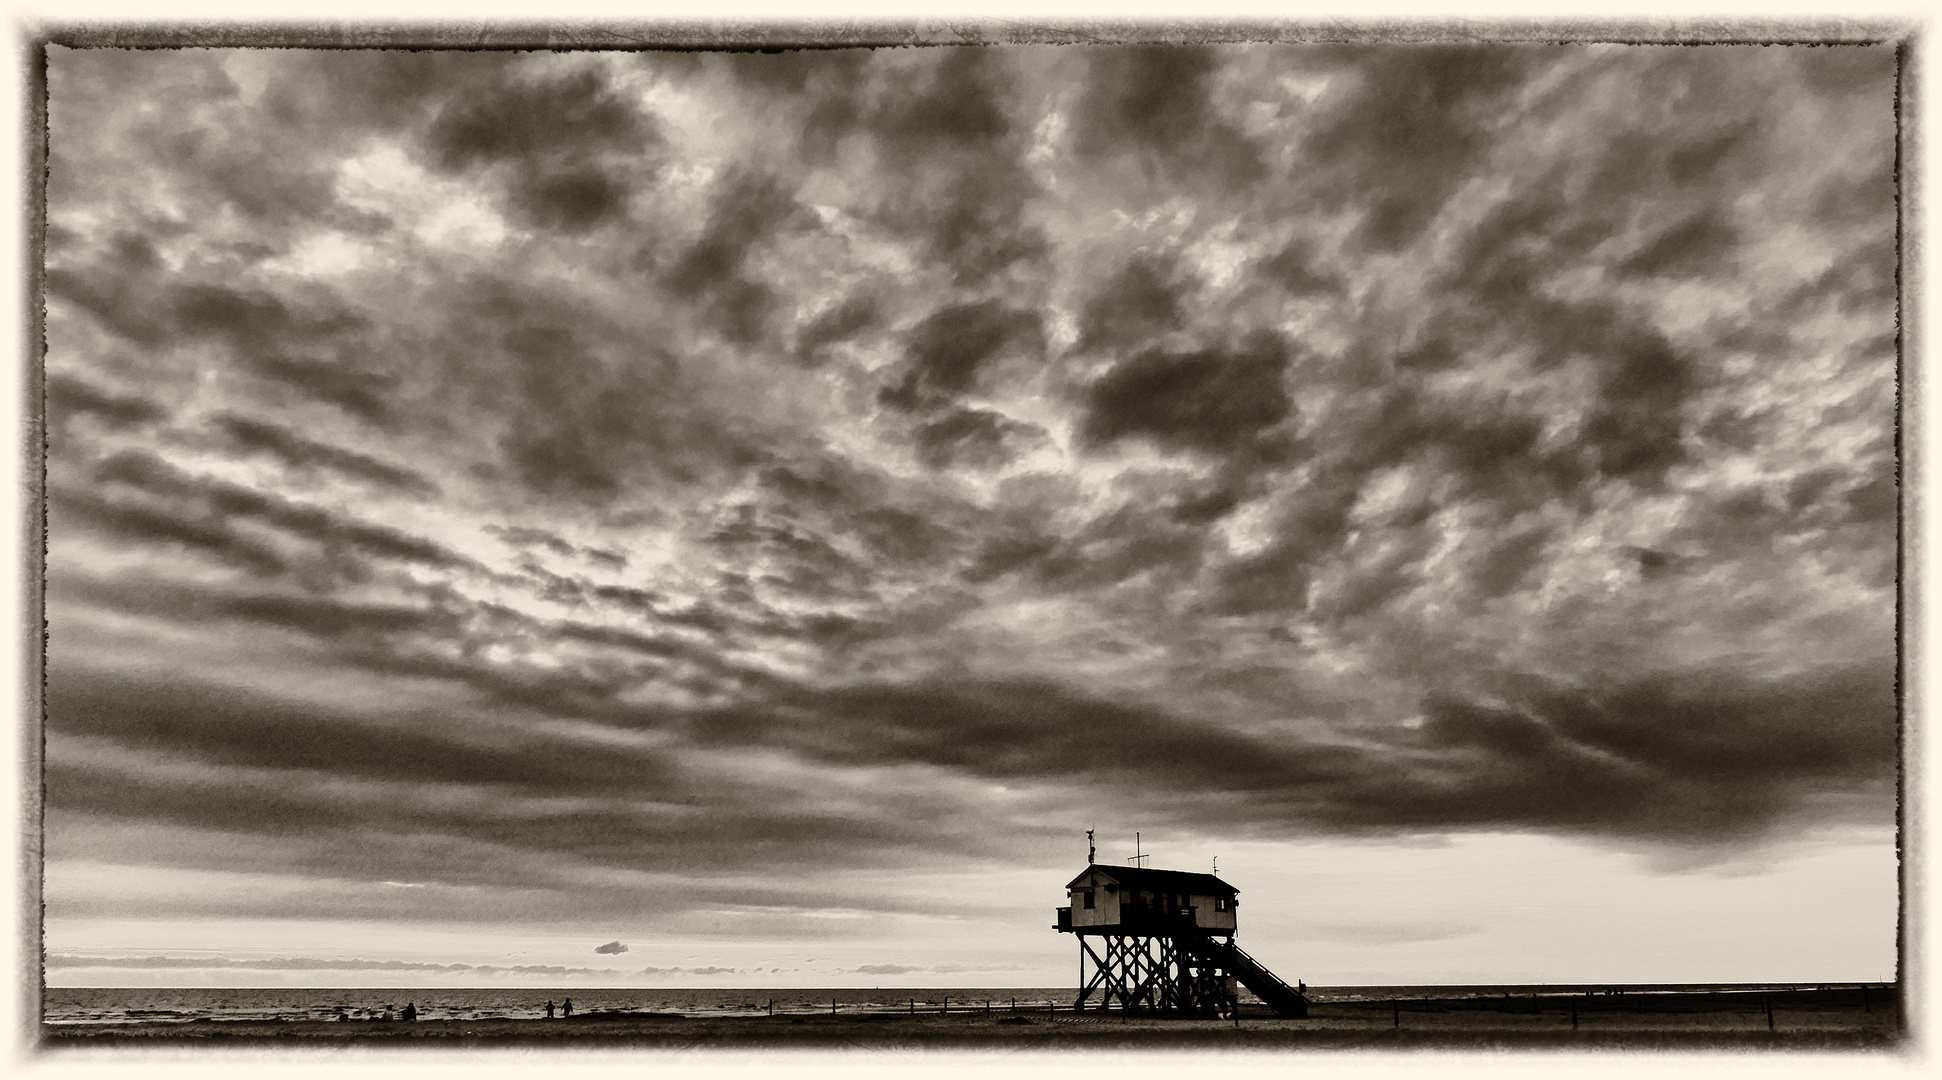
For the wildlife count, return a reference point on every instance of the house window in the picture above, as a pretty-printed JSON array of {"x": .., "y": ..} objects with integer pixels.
[
  {"x": 1088, "y": 897},
  {"x": 1220, "y": 903}
]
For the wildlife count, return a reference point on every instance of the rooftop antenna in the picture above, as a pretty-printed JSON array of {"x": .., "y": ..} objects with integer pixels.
[
  {"x": 1217, "y": 864},
  {"x": 1137, "y": 859},
  {"x": 1092, "y": 853}
]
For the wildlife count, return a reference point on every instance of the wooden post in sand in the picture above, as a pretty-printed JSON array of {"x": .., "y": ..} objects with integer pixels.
[
  {"x": 832, "y": 1006},
  {"x": 1767, "y": 1003},
  {"x": 913, "y": 1006},
  {"x": 771, "y": 1006},
  {"x": 947, "y": 1006},
  {"x": 1864, "y": 998},
  {"x": 1395, "y": 1013}
]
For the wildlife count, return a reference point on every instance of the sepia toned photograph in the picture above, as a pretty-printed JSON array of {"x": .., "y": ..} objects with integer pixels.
[{"x": 861, "y": 540}]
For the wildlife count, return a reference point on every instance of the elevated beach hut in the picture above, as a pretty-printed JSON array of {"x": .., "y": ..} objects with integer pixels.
[
  {"x": 1166, "y": 942},
  {"x": 1127, "y": 897}
]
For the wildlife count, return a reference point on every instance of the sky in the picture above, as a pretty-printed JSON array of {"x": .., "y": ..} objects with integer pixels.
[{"x": 738, "y": 520}]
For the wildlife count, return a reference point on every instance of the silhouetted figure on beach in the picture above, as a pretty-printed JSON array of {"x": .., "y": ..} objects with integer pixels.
[
  {"x": 549, "y": 1008},
  {"x": 566, "y": 1008},
  {"x": 411, "y": 1010}
]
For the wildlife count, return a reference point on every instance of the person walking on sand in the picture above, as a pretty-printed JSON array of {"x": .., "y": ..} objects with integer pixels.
[
  {"x": 411, "y": 1010},
  {"x": 549, "y": 1008},
  {"x": 566, "y": 1008}
]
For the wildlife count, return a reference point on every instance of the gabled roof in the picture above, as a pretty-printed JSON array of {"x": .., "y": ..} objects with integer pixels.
[{"x": 1178, "y": 881}]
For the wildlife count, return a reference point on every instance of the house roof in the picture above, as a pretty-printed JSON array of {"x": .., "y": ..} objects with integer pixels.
[{"x": 1180, "y": 881}]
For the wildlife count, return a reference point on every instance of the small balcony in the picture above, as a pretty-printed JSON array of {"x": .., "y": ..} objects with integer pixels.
[{"x": 1064, "y": 924}]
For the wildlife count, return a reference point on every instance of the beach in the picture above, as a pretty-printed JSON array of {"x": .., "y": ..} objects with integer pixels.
[{"x": 1831, "y": 1019}]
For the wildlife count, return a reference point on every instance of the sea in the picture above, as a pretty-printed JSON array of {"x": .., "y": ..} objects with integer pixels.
[{"x": 165, "y": 1005}]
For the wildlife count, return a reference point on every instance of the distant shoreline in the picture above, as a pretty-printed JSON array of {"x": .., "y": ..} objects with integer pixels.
[{"x": 1840, "y": 1018}]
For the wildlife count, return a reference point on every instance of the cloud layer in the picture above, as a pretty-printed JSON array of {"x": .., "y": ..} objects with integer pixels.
[{"x": 550, "y": 478}]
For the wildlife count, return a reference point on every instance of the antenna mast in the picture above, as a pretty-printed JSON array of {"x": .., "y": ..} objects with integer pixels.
[
  {"x": 1137, "y": 859},
  {"x": 1092, "y": 853}
]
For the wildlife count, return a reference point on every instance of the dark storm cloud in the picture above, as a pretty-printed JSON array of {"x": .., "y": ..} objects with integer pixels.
[
  {"x": 264, "y": 332},
  {"x": 1412, "y": 130},
  {"x": 1155, "y": 101},
  {"x": 1140, "y": 302},
  {"x": 748, "y": 211},
  {"x": 971, "y": 437},
  {"x": 784, "y": 543},
  {"x": 839, "y": 322},
  {"x": 145, "y": 525},
  {"x": 1690, "y": 248},
  {"x": 957, "y": 125},
  {"x": 1632, "y": 428},
  {"x": 522, "y": 536},
  {"x": 275, "y": 339},
  {"x": 562, "y": 378},
  {"x": 299, "y": 452},
  {"x": 1293, "y": 268},
  {"x": 362, "y": 625},
  {"x": 252, "y": 321},
  {"x": 1487, "y": 449},
  {"x": 572, "y": 146},
  {"x": 1135, "y": 537},
  {"x": 68, "y": 397},
  {"x": 957, "y": 107},
  {"x": 829, "y": 81},
  {"x": 1277, "y": 577},
  {"x": 950, "y": 346},
  {"x": 109, "y": 300},
  {"x": 1629, "y": 759},
  {"x": 1683, "y": 757},
  {"x": 860, "y": 505},
  {"x": 254, "y": 766},
  {"x": 803, "y": 560},
  {"x": 1211, "y": 399},
  {"x": 589, "y": 415},
  {"x": 1504, "y": 565},
  {"x": 980, "y": 229},
  {"x": 361, "y": 392},
  {"x": 194, "y": 499},
  {"x": 230, "y": 728}
]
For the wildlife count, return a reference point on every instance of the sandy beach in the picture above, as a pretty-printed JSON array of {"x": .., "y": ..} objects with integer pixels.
[{"x": 1831, "y": 1019}]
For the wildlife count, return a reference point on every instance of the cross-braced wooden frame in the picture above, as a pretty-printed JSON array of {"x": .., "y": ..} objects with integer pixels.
[{"x": 1154, "y": 973}]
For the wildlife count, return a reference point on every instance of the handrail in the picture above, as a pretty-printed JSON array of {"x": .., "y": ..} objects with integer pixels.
[{"x": 1284, "y": 999}]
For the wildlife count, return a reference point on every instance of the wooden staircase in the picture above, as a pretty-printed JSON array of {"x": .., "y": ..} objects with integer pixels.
[{"x": 1285, "y": 1000}]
